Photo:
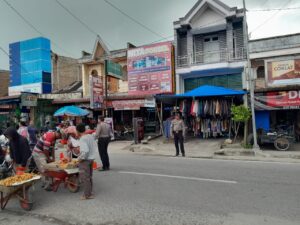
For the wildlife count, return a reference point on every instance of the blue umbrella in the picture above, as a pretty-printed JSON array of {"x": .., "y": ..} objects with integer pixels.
[{"x": 71, "y": 111}]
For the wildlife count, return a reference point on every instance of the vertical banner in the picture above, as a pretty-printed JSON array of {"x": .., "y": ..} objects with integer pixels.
[
  {"x": 150, "y": 69},
  {"x": 96, "y": 92}
]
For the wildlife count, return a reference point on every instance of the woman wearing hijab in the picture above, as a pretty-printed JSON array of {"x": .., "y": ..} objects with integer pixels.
[{"x": 18, "y": 147}]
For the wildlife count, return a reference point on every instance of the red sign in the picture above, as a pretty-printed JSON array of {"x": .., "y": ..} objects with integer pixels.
[
  {"x": 96, "y": 92},
  {"x": 284, "y": 99},
  {"x": 128, "y": 104},
  {"x": 150, "y": 69}
]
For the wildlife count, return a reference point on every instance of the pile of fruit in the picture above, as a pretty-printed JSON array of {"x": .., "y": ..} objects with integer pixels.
[
  {"x": 16, "y": 179},
  {"x": 65, "y": 164}
]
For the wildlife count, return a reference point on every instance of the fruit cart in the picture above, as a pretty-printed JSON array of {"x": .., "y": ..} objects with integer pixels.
[
  {"x": 21, "y": 190},
  {"x": 63, "y": 172},
  {"x": 68, "y": 177}
]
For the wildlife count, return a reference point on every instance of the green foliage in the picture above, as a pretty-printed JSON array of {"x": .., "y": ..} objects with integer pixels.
[{"x": 240, "y": 113}]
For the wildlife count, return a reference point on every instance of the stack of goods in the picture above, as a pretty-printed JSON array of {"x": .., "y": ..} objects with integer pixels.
[
  {"x": 10, "y": 181},
  {"x": 66, "y": 164}
]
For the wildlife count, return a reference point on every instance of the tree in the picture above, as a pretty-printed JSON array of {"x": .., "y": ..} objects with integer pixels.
[{"x": 240, "y": 114}]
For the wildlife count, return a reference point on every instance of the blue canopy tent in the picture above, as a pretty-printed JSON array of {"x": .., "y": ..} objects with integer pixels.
[{"x": 71, "y": 111}]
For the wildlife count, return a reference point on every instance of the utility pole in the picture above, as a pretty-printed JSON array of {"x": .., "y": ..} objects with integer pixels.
[{"x": 250, "y": 78}]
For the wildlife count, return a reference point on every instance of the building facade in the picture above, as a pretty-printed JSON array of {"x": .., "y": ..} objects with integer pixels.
[
  {"x": 4, "y": 82},
  {"x": 276, "y": 64},
  {"x": 209, "y": 45}
]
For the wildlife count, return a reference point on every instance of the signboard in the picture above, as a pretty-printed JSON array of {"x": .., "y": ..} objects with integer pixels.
[
  {"x": 135, "y": 104},
  {"x": 278, "y": 100},
  {"x": 150, "y": 103},
  {"x": 96, "y": 92},
  {"x": 150, "y": 69},
  {"x": 29, "y": 100},
  {"x": 113, "y": 69},
  {"x": 32, "y": 88},
  {"x": 284, "y": 72}
]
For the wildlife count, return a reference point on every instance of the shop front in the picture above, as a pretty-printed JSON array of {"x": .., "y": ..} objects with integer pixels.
[
  {"x": 123, "y": 111},
  {"x": 206, "y": 110},
  {"x": 278, "y": 110}
]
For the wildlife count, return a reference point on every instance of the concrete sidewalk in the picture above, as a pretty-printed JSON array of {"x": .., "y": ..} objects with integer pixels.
[{"x": 208, "y": 148}]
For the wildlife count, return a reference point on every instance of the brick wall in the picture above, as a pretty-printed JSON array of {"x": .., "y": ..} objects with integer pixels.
[
  {"x": 4, "y": 83},
  {"x": 65, "y": 70}
]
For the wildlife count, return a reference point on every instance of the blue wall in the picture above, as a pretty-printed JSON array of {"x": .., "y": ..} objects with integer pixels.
[{"x": 32, "y": 62}]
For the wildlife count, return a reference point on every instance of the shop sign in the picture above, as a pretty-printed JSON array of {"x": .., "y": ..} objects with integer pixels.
[
  {"x": 278, "y": 100},
  {"x": 150, "y": 69},
  {"x": 32, "y": 88},
  {"x": 113, "y": 69},
  {"x": 29, "y": 100},
  {"x": 96, "y": 92},
  {"x": 128, "y": 104},
  {"x": 150, "y": 103},
  {"x": 282, "y": 73}
]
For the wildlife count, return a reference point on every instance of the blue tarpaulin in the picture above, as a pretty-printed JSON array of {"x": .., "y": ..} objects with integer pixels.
[
  {"x": 209, "y": 91},
  {"x": 71, "y": 111},
  {"x": 204, "y": 91}
]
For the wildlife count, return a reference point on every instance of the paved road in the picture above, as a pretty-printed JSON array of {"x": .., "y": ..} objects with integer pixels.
[{"x": 142, "y": 190}]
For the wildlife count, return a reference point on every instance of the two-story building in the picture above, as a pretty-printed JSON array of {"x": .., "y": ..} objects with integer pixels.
[
  {"x": 276, "y": 61},
  {"x": 210, "y": 50}
]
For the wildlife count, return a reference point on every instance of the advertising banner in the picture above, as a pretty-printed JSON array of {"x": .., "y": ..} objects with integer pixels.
[
  {"x": 150, "y": 69},
  {"x": 281, "y": 73},
  {"x": 32, "y": 88},
  {"x": 135, "y": 104},
  {"x": 96, "y": 92},
  {"x": 278, "y": 100}
]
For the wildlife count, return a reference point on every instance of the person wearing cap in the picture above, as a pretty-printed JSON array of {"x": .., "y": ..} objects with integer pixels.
[
  {"x": 178, "y": 132},
  {"x": 103, "y": 133}
]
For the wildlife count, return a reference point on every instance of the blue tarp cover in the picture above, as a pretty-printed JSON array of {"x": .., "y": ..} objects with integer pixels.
[
  {"x": 71, "y": 111},
  {"x": 208, "y": 91},
  {"x": 204, "y": 91}
]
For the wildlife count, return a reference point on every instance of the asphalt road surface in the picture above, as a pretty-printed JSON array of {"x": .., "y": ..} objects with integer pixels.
[{"x": 146, "y": 190}]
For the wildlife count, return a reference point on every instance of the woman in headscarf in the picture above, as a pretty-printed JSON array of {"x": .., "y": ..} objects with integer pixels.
[
  {"x": 18, "y": 147},
  {"x": 72, "y": 144}
]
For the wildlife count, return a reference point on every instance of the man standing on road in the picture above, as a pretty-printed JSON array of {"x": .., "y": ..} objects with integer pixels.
[
  {"x": 178, "y": 131},
  {"x": 103, "y": 133},
  {"x": 88, "y": 148}
]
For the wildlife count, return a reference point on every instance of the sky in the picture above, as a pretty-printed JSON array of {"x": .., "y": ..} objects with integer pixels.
[{"x": 69, "y": 37}]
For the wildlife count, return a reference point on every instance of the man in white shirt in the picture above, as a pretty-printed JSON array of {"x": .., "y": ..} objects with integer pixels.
[{"x": 88, "y": 148}]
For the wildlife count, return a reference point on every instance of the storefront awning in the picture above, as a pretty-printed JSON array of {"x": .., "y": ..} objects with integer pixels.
[{"x": 205, "y": 91}]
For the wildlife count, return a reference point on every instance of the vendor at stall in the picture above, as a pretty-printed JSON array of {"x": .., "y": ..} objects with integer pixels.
[
  {"x": 18, "y": 147},
  {"x": 43, "y": 150},
  {"x": 72, "y": 142}
]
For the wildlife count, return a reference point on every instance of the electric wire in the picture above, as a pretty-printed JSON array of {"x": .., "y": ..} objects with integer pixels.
[
  {"x": 32, "y": 26},
  {"x": 80, "y": 21}
]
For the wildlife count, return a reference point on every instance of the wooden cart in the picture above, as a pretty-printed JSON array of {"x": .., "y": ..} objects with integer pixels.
[{"x": 21, "y": 191}]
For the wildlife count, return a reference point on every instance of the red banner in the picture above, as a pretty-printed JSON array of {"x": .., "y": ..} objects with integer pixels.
[
  {"x": 278, "y": 100},
  {"x": 128, "y": 104},
  {"x": 150, "y": 69}
]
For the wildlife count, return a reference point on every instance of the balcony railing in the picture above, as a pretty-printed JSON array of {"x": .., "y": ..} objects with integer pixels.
[{"x": 224, "y": 55}]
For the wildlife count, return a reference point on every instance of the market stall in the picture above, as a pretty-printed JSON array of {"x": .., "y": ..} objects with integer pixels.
[{"x": 205, "y": 110}]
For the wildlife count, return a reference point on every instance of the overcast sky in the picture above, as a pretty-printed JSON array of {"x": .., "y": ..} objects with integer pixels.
[{"x": 70, "y": 37}]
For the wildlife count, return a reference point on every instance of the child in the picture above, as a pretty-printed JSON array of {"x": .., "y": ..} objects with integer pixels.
[{"x": 88, "y": 148}]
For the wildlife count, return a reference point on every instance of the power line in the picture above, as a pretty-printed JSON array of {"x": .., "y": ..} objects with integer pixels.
[
  {"x": 31, "y": 25},
  {"x": 267, "y": 10},
  {"x": 134, "y": 20},
  {"x": 79, "y": 20},
  {"x": 268, "y": 19}
]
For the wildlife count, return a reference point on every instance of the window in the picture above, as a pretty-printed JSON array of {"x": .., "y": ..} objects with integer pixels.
[
  {"x": 215, "y": 38},
  {"x": 260, "y": 72},
  {"x": 206, "y": 39},
  {"x": 94, "y": 73}
]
